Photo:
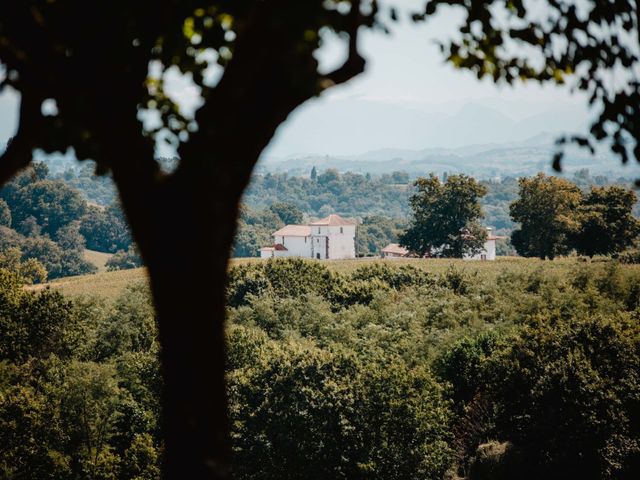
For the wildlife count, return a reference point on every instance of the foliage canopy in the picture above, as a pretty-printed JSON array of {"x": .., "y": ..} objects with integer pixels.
[{"x": 445, "y": 217}]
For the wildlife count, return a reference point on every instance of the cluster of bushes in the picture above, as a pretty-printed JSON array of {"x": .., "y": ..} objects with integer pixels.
[
  {"x": 124, "y": 260},
  {"x": 382, "y": 372},
  {"x": 531, "y": 372},
  {"x": 48, "y": 221},
  {"x": 29, "y": 271},
  {"x": 295, "y": 278},
  {"x": 631, "y": 255},
  {"x": 79, "y": 386}
]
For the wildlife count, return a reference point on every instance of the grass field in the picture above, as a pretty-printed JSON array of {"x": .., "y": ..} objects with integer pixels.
[
  {"x": 109, "y": 285},
  {"x": 99, "y": 259}
]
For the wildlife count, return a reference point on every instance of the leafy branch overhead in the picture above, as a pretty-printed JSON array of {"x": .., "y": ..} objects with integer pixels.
[
  {"x": 111, "y": 57},
  {"x": 593, "y": 46},
  {"x": 98, "y": 58}
]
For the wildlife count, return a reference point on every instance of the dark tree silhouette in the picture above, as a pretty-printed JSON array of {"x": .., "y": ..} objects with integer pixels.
[{"x": 93, "y": 59}]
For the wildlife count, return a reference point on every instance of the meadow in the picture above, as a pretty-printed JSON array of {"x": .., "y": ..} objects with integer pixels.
[{"x": 109, "y": 285}]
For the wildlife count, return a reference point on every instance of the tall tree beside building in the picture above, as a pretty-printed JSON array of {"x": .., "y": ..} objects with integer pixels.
[
  {"x": 445, "y": 217},
  {"x": 547, "y": 210},
  {"x": 607, "y": 224}
]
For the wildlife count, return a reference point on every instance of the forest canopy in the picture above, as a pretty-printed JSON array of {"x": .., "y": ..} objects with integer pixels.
[{"x": 348, "y": 366}]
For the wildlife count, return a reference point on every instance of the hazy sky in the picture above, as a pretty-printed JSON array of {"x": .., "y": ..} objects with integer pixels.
[
  {"x": 406, "y": 71},
  {"x": 405, "y": 78}
]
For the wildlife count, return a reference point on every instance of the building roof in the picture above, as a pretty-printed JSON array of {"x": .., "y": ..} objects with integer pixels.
[
  {"x": 395, "y": 248},
  {"x": 276, "y": 246},
  {"x": 294, "y": 231},
  {"x": 332, "y": 220}
]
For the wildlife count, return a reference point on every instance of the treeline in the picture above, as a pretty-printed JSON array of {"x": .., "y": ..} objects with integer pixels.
[
  {"x": 97, "y": 189},
  {"x": 381, "y": 203},
  {"x": 382, "y": 372},
  {"x": 50, "y": 222},
  {"x": 348, "y": 194},
  {"x": 52, "y": 218},
  {"x": 557, "y": 217}
]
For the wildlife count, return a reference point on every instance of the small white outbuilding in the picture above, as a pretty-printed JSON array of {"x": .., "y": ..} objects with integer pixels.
[
  {"x": 489, "y": 250},
  {"x": 394, "y": 250}
]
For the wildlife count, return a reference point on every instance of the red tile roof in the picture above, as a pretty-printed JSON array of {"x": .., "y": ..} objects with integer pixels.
[
  {"x": 276, "y": 246},
  {"x": 395, "y": 248},
  {"x": 294, "y": 231},
  {"x": 332, "y": 220}
]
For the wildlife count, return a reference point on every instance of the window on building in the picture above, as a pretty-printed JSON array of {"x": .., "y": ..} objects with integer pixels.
[
  {"x": 318, "y": 229},
  {"x": 341, "y": 230}
]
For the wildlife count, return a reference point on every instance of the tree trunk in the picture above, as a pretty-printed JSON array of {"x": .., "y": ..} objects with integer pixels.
[{"x": 186, "y": 246}]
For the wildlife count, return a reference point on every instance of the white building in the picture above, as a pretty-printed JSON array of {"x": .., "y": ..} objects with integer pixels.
[
  {"x": 394, "y": 250},
  {"x": 489, "y": 250},
  {"x": 330, "y": 238}
]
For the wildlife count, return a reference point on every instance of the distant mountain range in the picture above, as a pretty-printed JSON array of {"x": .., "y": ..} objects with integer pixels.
[
  {"x": 490, "y": 160},
  {"x": 476, "y": 139},
  {"x": 349, "y": 126}
]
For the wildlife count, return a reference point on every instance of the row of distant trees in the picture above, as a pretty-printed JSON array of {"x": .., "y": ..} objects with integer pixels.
[
  {"x": 556, "y": 217},
  {"x": 49, "y": 221}
]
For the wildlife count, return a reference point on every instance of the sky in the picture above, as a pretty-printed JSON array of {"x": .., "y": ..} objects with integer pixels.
[
  {"x": 406, "y": 90},
  {"x": 406, "y": 75}
]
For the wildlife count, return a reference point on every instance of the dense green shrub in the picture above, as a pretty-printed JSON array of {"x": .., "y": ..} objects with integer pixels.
[
  {"x": 631, "y": 256},
  {"x": 65, "y": 410},
  {"x": 124, "y": 260},
  {"x": 395, "y": 277},
  {"x": 563, "y": 391},
  {"x": 32, "y": 325},
  {"x": 307, "y": 413}
]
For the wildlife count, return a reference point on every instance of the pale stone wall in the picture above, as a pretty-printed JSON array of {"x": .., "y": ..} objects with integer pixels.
[
  {"x": 295, "y": 246},
  {"x": 342, "y": 242}
]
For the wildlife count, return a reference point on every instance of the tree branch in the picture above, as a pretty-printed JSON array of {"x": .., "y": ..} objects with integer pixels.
[
  {"x": 354, "y": 65},
  {"x": 270, "y": 75}
]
